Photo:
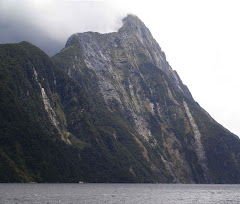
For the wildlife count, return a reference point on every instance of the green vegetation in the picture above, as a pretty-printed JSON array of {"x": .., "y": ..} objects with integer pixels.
[
  {"x": 93, "y": 141},
  {"x": 32, "y": 148}
]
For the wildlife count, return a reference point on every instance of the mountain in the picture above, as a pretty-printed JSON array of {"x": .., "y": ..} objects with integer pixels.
[
  {"x": 107, "y": 108},
  {"x": 51, "y": 132},
  {"x": 180, "y": 140}
]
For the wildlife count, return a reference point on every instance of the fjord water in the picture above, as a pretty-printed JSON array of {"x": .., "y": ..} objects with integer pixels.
[{"x": 118, "y": 193}]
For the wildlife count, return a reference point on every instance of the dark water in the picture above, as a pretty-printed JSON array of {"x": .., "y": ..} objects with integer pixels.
[{"x": 118, "y": 193}]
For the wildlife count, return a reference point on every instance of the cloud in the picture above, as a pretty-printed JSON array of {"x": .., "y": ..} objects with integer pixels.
[{"x": 49, "y": 23}]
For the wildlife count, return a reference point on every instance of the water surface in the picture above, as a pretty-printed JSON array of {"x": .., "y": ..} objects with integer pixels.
[{"x": 118, "y": 193}]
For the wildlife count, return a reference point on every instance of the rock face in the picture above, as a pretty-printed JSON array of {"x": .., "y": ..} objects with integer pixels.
[
  {"x": 117, "y": 60},
  {"x": 107, "y": 108},
  {"x": 179, "y": 140},
  {"x": 53, "y": 130}
]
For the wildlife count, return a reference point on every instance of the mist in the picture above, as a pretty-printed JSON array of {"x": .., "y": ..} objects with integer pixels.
[{"x": 49, "y": 23}]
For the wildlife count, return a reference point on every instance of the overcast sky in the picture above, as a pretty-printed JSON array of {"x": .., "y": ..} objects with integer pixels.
[{"x": 201, "y": 39}]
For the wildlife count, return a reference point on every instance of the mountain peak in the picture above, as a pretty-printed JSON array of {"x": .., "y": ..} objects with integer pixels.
[
  {"x": 133, "y": 19},
  {"x": 124, "y": 117},
  {"x": 131, "y": 23},
  {"x": 133, "y": 38}
]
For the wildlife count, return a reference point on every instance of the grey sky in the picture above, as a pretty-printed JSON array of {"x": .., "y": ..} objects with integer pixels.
[
  {"x": 200, "y": 39},
  {"x": 48, "y": 24}
]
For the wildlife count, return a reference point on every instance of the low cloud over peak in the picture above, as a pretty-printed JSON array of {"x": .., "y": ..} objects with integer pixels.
[{"x": 48, "y": 24}]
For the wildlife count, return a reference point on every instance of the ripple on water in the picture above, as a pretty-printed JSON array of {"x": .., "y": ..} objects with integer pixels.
[{"x": 118, "y": 193}]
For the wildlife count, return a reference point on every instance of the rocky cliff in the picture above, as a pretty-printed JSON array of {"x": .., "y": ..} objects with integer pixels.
[
  {"x": 107, "y": 108},
  {"x": 179, "y": 139},
  {"x": 54, "y": 130}
]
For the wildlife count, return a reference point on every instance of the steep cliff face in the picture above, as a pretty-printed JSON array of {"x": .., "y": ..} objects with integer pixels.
[
  {"x": 128, "y": 72},
  {"x": 54, "y": 130},
  {"x": 117, "y": 60},
  {"x": 123, "y": 115}
]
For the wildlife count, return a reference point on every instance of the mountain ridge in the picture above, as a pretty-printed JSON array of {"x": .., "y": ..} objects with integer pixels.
[
  {"x": 122, "y": 62},
  {"x": 134, "y": 30},
  {"x": 107, "y": 108}
]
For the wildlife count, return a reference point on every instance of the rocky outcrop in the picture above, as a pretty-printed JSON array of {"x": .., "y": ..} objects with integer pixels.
[
  {"x": 136, "y": 82},
  {"x": 116, "y": 57}
]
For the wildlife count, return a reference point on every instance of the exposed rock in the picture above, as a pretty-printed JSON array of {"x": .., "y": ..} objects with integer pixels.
[
  {"x": 176, "y": 138},
  {"x": 51, "y": 113},
  {"x": 198, "y": 144},
  {"x": 47, "y": 106}
]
